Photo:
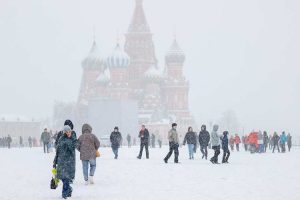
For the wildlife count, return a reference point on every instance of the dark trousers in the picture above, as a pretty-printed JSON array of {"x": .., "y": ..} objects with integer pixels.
[
  {"x": 159, "y": 143},
  {"x": 237, "y": 146},
  {"x": 46, "y": 147},
  {"x": 282, "y": 148},
  {"x": 146, "y": 145},
  {"x": 116, "y": 151},
  {"x": 67, "y": 189},
  {"x": 289, "y": 146},
  {"x": 246, "y": 147},
  {"x": 203, "y": 150},
  {"x": 173, "y": 147},
  {"x": 274, "y": 146},
  {"x": 217, "y": 153},
  {"x": 226, "y": 154},
  {"x": 265, "y": 147}
]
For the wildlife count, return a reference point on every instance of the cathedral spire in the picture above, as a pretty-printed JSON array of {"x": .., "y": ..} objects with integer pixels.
[{"x": 139, "y": 22}]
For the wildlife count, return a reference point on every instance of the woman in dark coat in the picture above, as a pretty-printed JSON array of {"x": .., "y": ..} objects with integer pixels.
[
  {"x": 65, "y": 160},
  {"x": 191, "y": 139}
]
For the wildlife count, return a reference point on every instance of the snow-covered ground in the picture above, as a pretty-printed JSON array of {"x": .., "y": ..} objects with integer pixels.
[{"x": 25, "y": 174}]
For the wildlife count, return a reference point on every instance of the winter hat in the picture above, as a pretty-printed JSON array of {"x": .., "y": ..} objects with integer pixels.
[
  {"x": 86, "y": 128},
  {"x": 69, "y": 123},
  {"x": 174, "y": 124},
  {"x": 203, "y": 127},
  {"x": 66, "y": 128},
  {"x": 116, "y": 128},
  {"x": 226, "y": 133}
]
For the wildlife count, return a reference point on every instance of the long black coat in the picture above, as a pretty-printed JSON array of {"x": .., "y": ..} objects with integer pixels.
[
  {"x": 144, "y": 136},
  {"x": 66, "y": 157},
  {"x": 204, "y": 138},
  {"x": 115, "y": 139}
]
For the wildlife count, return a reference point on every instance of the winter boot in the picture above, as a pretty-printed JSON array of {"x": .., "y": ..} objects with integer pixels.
[
  {"x": 165, "y": 160},
  {"x": 91, "y": 180}
]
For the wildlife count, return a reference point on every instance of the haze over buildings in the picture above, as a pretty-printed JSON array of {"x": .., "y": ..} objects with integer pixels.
[{"x": 240, "y": 55}]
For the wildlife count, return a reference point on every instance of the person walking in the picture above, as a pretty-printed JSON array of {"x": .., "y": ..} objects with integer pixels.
[
  {"x": 88, "y": 144},
  {"x": 237, "y": 141},
  {"x": 173, "y": 144},
  {"x": 204, "y": 139},
  {"x": 215, "y": 143},
  {"x": 226, "y": 152},
  {"x": 282, "y": 142},
  {"x": 260, "y": 142},
  {"x": 9, "y": 141},
  {"x": 275, "y": 139},
  {"x": 45, "y": 139},
  {"x": 152, "y": 140},
  {"x": 116, "y": 139},
  {"x": 191, "y": 139},
  {"x": 64, "y": 161},
  {"x": 128, "y": 140},
  {"x": 289, "y": 141},
  {"x": 144, "y": 138},
  {"x": 231, "y": 143},
  {"x": 30, "y": 141},
  {"x": 265, "y": 140},
  {"x": 21, "y": 141},
  {"x": 159, "y": 140}
]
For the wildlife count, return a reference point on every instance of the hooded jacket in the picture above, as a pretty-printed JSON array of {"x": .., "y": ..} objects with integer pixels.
[
  {"x": 87, "y": 144},
  {"x": 224, "y": 139},
  {"x": 215, "y": 138},
  {"x": 115, "y": 139},
  {"x": 204, "y": 137}
]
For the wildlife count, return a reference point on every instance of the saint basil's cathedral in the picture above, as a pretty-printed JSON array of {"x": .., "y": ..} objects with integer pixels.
[{"x": 142, "y": 91}]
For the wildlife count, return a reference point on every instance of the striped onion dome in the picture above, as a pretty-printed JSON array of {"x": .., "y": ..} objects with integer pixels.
[
  {"x": 104, "y": 77},
  {"x": 94, "y": 60},
  {"x": 118, "y": 58},
  {"x": 175, "y": 54}
]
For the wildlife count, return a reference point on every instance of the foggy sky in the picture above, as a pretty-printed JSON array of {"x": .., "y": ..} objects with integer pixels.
[{"x": 241, "y": 55}]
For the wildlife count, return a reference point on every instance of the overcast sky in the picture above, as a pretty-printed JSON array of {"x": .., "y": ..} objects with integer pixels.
[{"x": 241, "y": 54}]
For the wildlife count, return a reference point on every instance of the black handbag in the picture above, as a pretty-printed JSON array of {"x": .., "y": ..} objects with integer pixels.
[{"x": 53, "y": 185}]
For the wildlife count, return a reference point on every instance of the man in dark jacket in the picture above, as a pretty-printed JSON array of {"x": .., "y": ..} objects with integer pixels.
[
  {"x": 275, "y": 139},
  {"x": 65, "y": 160},
  {"x": 265, "y": 140},
  {"x": 226, "y": 152},
  {"x": 60, "y": 133},
  {"x": 204, "y": 139},
  {"x": 115, "y": 139},
  {"x": 88, "y": 145},
  {"x": 173, "y": 138},
  {"x": 144, "y": 137},
  {"x": 45, "y": 138}
]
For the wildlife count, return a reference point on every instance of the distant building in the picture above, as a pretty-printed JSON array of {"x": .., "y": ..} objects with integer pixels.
[
  {"x": 161, "y": 92},
  {"x": 17, "y": 126}
]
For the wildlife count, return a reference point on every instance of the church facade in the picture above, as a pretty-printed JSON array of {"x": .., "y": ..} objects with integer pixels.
[{"x": 132, "y": 74}]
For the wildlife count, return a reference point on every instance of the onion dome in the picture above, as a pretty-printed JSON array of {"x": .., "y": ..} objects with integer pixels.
[
  {"x": 94, "y": 60},
  {"x": 118, "y": 58},
  {"x": 104, "y": 77},
  {"x": 175, "y": 54},
  {"x": 154, "y": 73}
]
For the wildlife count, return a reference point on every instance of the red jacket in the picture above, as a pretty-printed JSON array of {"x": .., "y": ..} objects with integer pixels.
[{"x": 237, "y": 139}]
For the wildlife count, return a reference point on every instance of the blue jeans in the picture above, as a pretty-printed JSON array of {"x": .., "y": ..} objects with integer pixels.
[
  {"x": 85, "y": 167},
  {"x": 261, "y": 148},
  {"x": 191, "y": 150},
  {"x": 67, "y": 189},
  {"x": 115, "y": 150}
]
